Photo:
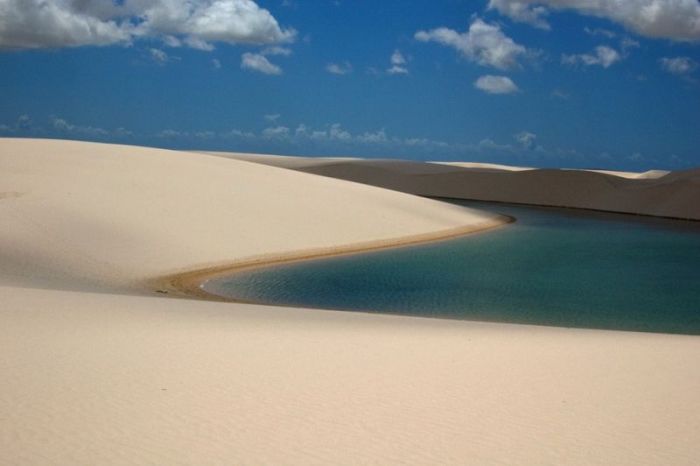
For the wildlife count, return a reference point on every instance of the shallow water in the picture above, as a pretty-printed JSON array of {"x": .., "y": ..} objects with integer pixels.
[{"x": 552, "y": 267}]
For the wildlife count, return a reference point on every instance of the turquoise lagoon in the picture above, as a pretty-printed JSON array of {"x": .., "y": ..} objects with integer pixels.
[{"x": 551, "y": 267}]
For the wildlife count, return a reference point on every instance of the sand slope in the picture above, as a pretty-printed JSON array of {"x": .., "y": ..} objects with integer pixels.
[
  {"x": 655, "y": 192},
  {"x": 101, "y": 379},
  {"x": 91, "y": 215},
  {"x": 94, "y": 377}
]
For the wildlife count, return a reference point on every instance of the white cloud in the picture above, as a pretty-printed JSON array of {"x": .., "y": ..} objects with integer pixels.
[
  {"x": 123, "y": 132},
  {"x": 671, "y": 19},
  {"x": 171, "y": 41},
  {"x": 496, "y": 84},
  {"x": 339, "y": 68},
  {"x": 483, "y": 43},
  {"x": 522, "y": 11},
  {"x": 272, "y": 117},
  {"x": 259, "y": 63},
  {"x": 599, "y": 32},
  {"x": 395, "y": 69},
  {"x": 425, "y": 142},
  {"x": 171, "y": 133},
  {"x": 628, "y": 43},
  {"x": 238, "y": 134},
  {"x": 398, "y": 63},
  {"x": 196, "y": 23},
  {"x": 603, "y": 56},
  {"x": 490, "y": 144},
  {"x": 276, "y": 50},
  {"x": 38, "y": 23},
  {"x": 377, "y": 137},
  {"x": 216, "y": 64},
  {"x": 678, "y": 65},
  {"x": 64, "y": 126},
  {"x": 526, "y": 139},
  {"x": 397, "y": 58},
  {"x": 277, "y": 132},
  {"x": 198, "y": 44},
  {"x": 159, "y": 56},
  {"x": 24, "y": 122},
  {"x": 334, "y": 133}
]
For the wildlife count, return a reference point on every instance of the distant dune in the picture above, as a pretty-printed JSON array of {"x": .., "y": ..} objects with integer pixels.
[{"x": 656, "y": 192}]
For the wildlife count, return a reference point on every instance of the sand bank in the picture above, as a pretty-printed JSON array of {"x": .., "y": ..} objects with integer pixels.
[{"x": 96, "y": 373}]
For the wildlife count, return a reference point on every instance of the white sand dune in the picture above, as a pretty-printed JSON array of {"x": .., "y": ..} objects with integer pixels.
[
  {"x": 94, "y": 371},
  {"x": 82, "y": 214},
  {"x": 655, "y": 192},
  {"x": 103, "y": 379}
]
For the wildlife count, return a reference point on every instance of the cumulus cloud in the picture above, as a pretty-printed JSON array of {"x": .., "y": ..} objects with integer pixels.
[
  {"x": 526, "y": 139},
  {"x": 599, "y": 32},
  {"x": 171, "y": 133},
  {"x": 496, "y": 84},
  {"x": 259, "y": 63},
  {"x": 491, "y": 145},
  {"x": 333, "y": 134},
  {"x": 602, "y": 56},
  {"x": 24, "y": 122},
  {"x": 216, "y": 64},
  {"x": 398, "y": 63},
  {"x": 195, "y": 23},
  {"x": 336, "y": 132},
  {"x": 482, "y": 43},
  {"x": 376, "y": 137},
  {"x": 339, "y": 68},
  {"x": 38, "y": 23},
  {"x": 671, "y": 19},
  {"x": 159, "y": 56},
  {"x": 277, "y": 132},
  {"x": 238, "y": 134},
  {"x": 680, "y": 66},
  {"x": 276, "y": 50},
  {"x": 64, "y": 126},
  {"x": 628, "y": 43}
]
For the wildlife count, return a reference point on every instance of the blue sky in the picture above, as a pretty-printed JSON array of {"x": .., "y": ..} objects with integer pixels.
[{"x": 542, "y": 83}]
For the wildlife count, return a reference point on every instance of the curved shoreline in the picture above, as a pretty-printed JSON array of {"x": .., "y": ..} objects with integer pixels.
[{"x": 190, "y": 283}]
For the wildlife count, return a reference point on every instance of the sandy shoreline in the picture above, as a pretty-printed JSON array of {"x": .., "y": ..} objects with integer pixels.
[
  {"x": 100, "y": 369},
  {"x": 192, "y": 283}
]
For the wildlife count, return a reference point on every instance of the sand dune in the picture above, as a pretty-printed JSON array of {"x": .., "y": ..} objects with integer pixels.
[
  {"x": 656, "y": 192},
  {"x": 106, "y": 216},
  {"x": 95, "y": 372},
  {"x": 103, "y": 379}
]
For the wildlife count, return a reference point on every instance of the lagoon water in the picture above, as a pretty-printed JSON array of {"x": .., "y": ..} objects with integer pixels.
[{"x": 552, "y": 267}]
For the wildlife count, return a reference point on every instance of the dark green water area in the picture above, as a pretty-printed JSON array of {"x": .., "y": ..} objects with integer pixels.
[{"x": 553, "y": 267}]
